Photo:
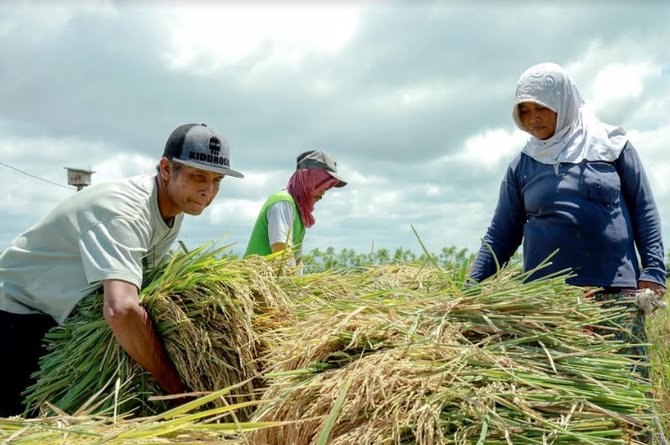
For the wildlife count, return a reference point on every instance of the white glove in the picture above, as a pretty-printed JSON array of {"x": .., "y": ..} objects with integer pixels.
[{"x": 648, "y": 301}]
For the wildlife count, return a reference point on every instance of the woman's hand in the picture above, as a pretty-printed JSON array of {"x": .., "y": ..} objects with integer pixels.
[
  {"x": 649, "y": 297},
  {"x": 657, "y": 288}
]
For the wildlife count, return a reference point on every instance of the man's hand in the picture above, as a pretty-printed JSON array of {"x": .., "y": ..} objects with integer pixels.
[{"x": 136, "y": 333}]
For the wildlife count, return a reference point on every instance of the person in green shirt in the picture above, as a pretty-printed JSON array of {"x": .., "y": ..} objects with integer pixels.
[{"x": 286, "y": 214}]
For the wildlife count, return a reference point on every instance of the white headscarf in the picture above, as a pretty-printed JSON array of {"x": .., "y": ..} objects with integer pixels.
[{"x": 579, "y": 134}]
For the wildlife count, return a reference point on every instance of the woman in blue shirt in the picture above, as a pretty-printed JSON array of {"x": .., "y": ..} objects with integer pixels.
[{"x": 577, "y": 187}]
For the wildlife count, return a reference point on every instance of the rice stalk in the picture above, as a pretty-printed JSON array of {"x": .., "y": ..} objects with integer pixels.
[
  {"x": 188, "y": 423},
  {"x": 433, "y": 367}
]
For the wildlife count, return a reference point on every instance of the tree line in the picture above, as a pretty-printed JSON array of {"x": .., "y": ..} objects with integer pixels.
[{"x": 318, "y": 260}]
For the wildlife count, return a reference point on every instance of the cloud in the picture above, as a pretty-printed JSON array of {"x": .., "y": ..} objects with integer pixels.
[
  {"x": 619, "y": 81},
  {"x": 412, "y": 100},
  {"x": 653, "y": 146},
  {"x": 231, "y": 210},
  {"x": 206, "y": 37},
  {"x": 489, "y": 148}
]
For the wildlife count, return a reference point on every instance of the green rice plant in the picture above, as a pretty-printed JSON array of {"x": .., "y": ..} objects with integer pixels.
[
  {"x": 207, "y": 307},
  {"x": 658, "y": 331}
]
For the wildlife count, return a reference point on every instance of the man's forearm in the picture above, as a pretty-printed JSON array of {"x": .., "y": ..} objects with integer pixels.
[
  {"x": 135, "y": 331},
  {"x": 138, "y": 337}
]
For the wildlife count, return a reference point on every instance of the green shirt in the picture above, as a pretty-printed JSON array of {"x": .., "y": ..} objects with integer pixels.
[{"x": 259, "y": 243}]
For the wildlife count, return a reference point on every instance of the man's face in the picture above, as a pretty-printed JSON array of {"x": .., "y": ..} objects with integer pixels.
[{"x": 190, "y": 190}]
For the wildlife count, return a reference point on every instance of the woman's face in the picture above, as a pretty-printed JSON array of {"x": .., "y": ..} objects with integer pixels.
[
  {"x": 539, "y": 121},
  {"x": 317, "y": 196},
  {"x": 322, "y": 188}
]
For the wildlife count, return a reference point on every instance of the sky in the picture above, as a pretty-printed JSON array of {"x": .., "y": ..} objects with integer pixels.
[{"x": 412, "y": 99}]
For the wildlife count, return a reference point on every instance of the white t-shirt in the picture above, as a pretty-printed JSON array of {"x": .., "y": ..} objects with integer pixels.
[
  {"x": 280, "y": 226},
  {"x": 106, "y": 231}
]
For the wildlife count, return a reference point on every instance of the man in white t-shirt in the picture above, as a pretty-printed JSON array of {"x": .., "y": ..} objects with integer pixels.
[{"x": 103, "y": 237}]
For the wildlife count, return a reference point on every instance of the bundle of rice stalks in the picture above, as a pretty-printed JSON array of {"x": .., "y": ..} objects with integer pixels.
[
  {"x": 506, "y": 362},
  {"x": 178, "y": 425},
  {"x": 321, "y": 288},
  {"x": 209, "y": 310}
]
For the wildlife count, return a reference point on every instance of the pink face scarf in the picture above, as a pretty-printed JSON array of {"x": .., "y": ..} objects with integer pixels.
[{"x": 305, "y": 184}]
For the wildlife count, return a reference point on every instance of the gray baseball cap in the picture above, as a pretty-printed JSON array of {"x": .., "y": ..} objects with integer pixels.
[
  {"x": 320, "y": 159},
  {"x": 197, "y": 146}
]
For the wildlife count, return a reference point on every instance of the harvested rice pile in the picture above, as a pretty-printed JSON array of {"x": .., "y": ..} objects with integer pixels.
[
  {"x": 208, "y": 308},
  {"x": 379, "y": 355},
  {"x": 311, "y": 292},
  {"x": 502, "y": 363}
]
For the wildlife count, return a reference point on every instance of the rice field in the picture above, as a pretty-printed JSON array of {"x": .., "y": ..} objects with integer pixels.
[
  {"x": 658, "y": 329},
  {"x": 386, "y": 354}
]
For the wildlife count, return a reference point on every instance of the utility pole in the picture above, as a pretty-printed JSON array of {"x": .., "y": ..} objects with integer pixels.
[{"x": 78, "y": 177}]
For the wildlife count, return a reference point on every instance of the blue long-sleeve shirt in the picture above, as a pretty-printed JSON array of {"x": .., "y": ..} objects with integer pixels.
[{"x": 595, "y": 213}]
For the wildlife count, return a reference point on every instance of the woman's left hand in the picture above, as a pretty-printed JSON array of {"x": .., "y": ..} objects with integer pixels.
[
  {"x": 657, "y": 288},
  {"x": 648, "y": 301}
]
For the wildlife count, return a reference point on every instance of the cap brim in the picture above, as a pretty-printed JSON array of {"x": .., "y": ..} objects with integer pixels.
[
  {"x": 210, "y": 168},
  {"x": 342, "y": 182}
]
